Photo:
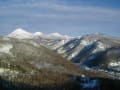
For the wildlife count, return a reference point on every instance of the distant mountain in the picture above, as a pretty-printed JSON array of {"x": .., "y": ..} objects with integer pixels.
[
  {"x": 23, "y": 34},
  {"x": 20, "y": 34},
  {"x": 52, "y": 41}
]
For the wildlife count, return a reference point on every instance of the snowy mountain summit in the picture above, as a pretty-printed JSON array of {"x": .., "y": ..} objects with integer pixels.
[
  {"x": 23, "y": 34},
  {"x": 20, "y": 34},
  {"x": 52, "y": 40}
]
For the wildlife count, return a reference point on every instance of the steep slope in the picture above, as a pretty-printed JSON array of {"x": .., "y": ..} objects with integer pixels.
[
  {"x": 51, "y": 41},
  {"x": 96, "y": 51},
  {"x": 87, "y": 45},
  {"x": 26, "y": 64},
  {"x": 108, "y": 60},
  {"x": 16, "y": 51}
]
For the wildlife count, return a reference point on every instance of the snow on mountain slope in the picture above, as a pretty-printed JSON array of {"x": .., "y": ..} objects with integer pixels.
[
  {"x": 5, "y": 48},
  {"x": 96, "y": 51},
  {"x": 50, "y": 36},
  {"x": 79, "y": 48},
  {"x": 51, "y": 43},
  {"x": 37, "y": 34},
  {"x": 36, "y": 65},
  {"x": 57, "y": 35}
]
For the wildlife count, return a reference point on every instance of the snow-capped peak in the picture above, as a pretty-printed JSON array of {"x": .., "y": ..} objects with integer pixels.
[
  {"x": 57, "y": 35},
  {"x": 38, "y": 34},
  {"x": 20, "y": 34},
  {"x": 23, "y": 34}
]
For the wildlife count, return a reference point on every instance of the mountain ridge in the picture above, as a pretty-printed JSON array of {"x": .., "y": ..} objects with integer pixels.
[{"x": 23, "y": 34}]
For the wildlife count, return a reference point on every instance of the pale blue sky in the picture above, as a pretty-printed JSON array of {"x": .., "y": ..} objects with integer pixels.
[{"x": 71, "y": 17}]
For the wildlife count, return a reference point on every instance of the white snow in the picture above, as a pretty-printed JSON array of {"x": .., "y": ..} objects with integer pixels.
[
  {"x": 87, "y": 68},
  {"x": 38, "y": 33},
  {"x": 58, "y": 36},
  {"x": 61, "y": 51},
  {"x": 7, "y": 71},
  {"x": 82, "y": 75},
  {"x": 55, "y": 34},
  {"x": 113, "y": 64},
  {"x": 101, "y": 45},
  {"x": 57, "y": 45},
  {"x": 71, "y": 45},
  {"x": 84, "y": 42},
  {"x": 2, "y": 70},
  {"x": 51, "y": 36},
  {"x": 20, "y": 34},
  {"x": 5, "y": 48}
]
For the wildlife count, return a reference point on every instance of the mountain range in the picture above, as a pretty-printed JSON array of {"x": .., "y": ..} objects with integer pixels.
[
  {"x": 53, "y": 60},
  {"x": 96, "y": 51},
  {"x": 53, "y": 40}
]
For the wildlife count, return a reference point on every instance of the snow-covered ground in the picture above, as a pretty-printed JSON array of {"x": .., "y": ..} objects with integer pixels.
[
  {"x": 5, "y": 71},
  {"x": 5, "y": 48},
  {"x": 114, "y": 64}
]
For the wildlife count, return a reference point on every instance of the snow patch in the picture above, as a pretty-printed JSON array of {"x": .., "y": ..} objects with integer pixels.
[
  {"x": 55, "y": 34},
  {"x": 114, "y": 64},
  {"x": 58, "y": 36},
  {"x": 84, "y": 42},
  {"x": 72, "y": 45},
  {"x": 38, "y": 34},
  {"x": 101, "y": 45},
  {"x": 2, "y": 70},
  {"x": 61, "y": 50},
  {"x": 62, "y": 42},
  {"x": 82, "y": 75},
  {"x": 5, "y": 48},
  {"x": 7, "y": 71}
]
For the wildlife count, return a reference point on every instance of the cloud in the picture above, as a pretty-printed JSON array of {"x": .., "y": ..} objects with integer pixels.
[
  {"x": 54, "y": 10},
  {"x": 52, "y": 13}
]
